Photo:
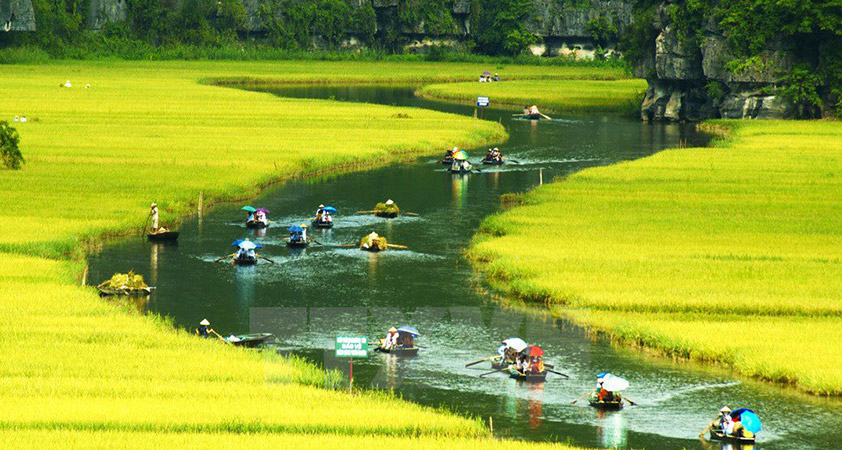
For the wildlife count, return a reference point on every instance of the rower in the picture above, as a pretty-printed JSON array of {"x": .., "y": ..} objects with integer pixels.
[
  {"x": 204, "y": 329},
  {"x": 391, "y": 339},
  {"x": 534, "y": 110},
  {"x": 720, "y": 422},
  {"x": 496, "y": 77},
  {"x": 319, "y": 212},
  {"x": 154, "y": 213}
]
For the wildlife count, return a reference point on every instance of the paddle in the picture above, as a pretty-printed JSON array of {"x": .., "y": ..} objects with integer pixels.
[
  {"x": 223, "y": 257},
  {"x": 477, "y": 170},
  {"x": 630, "y": 402},
  {"x": 481, "y": 360},
  {"x": 493, "y": 371},
  {"x": 545, "y": 116},
  {"x": 145, "y": 224},
  {"x": 515, "y": 161},
  {"x": 220, "y": 337},
  {"x": 557, "y": 373},
  {"x": 267, "y": 259},
  {"x": 366, "y": 212},
  {"x": 581, "y": 397},
  {"x": 411, "y": 214},
  {"x": 702, "y": 434},
  {"x": 348, "y": 245},
  {"x": 317, "y": 242},
  {"x": 399, "y": 247}
]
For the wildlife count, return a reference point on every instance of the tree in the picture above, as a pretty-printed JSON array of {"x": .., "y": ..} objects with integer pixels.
[{"x": 9, "y": 151}]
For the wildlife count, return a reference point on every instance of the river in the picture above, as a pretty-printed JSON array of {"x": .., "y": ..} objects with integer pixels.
[{"x": 312, "y": 295}]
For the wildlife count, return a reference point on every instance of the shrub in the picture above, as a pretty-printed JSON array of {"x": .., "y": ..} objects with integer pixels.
[{"x": 9, "y": 151}]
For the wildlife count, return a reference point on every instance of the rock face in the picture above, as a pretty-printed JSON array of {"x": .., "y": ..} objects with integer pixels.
[
  {"x": 695, "y": 83},
  {"x": 101, "y": 12},
  {"x": 16, "y": 15}
]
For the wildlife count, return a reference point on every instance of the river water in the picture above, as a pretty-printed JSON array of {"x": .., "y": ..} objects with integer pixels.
[{"x": 310, "y": 296}]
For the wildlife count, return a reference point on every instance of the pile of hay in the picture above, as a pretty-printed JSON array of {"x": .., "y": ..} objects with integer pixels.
[
  {"x": 374, "y": 241},
  {"x": 125, "y": 281}
]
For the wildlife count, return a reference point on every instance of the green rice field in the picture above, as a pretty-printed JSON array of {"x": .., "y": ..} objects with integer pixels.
[
  {"x": 602, "y": 93},
  {"x": 80, "y": 372},
  {"x": 728, "y": 254}
]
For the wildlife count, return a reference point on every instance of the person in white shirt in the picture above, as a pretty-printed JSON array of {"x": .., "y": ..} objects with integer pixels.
[{"x": 154, "y": 213}]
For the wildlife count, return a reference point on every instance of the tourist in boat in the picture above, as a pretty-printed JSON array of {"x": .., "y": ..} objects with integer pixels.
[
  {"x": 720, "y": 423},
  {"x": 526, "y": 110},
  {"x": 534, "y": 110},
  {"x": 371, "y": 238},
  {"x": 319, "y": 212},
  {"x": 391, "y": 340},
  {"x": 250, "y": 216},
  {"x": 204, "y": 330},
  {"x": 260, "y": 216},
  {"x": 496, "y": 77}
]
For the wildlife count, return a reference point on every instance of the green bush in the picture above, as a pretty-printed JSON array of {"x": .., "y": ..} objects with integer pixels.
[{"x": 9, "y": 151}]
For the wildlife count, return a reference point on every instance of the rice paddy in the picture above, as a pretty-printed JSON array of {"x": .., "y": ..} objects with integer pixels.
[
  {"x": 611, "y": 94},
  {"x": 82, "y": 372},
  {"x": 728, "y": 254}
]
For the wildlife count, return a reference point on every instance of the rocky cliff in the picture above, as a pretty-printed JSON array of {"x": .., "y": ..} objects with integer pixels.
[
  {"x": 17, "y": 15},
  {"x": 692, "y": 82}
]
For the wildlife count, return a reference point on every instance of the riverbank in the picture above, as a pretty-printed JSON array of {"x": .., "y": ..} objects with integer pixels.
[
  {"x": 93, "y": 371},
  {"x": 605, "y": 92},
  {"x": 727, "y": 254}
]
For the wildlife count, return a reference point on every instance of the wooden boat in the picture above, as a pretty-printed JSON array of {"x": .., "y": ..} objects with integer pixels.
[
  {"x": 448, "y": 160},
  {"x": 166, "y": 236},
  {"x": 494, "y": 162},
  {"x": 256, "y": 224},
  {"x": 376, "y": 246},
  {"x": 718, "y": 435},
  {"x": 318, "y": 224},
  {"x": 529, "y": 377},
  {"x": 386, "y": 214},
  {"x": 460, "y": 171},
  {"x": 245, "y": 261},
  {"x": 297, "y": 244},
  {"x": 250, "y": 340},
  {"x": 528, "y": 116},
  {"x": 400, "y": 351},
  {"x": 616, "y": 403},
  {"x": 106, "y": 292}
]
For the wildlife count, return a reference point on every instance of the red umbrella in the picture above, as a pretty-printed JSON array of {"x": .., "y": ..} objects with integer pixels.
[{"x": 533, "y": 351}]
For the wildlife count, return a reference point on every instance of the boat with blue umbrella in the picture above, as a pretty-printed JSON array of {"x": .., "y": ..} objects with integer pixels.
[
  {"x": 324, "y": 217},
  {"x": 608, "y": 393},
  {"x": 298, "y": 236},
  {"x": 400, "y": 342},
  {"x": 742, "y": 428},
  {"x": 245, "y": 254}
]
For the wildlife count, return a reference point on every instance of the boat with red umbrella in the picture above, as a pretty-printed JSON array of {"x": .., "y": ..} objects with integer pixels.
[{"x": 530, "y": 365}]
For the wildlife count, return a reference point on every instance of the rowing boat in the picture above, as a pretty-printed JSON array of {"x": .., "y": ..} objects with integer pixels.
[
  {"x": 137, "y": 292},
  {"x": 718, "y": 435},
  {"x": 495, "y": 162},
  {"x": 297, "y": 244},
  {"x": 528, "y": 116},
  {"x": 245, "y": 261},
  {"x": 616, "y": 403},
  {"x": 164, "y": 236},
  {"x": 249, "y": 340},
  {"x": 399, "y": 351},
  {"x": 448, "y": 160},
  {"x": 256, "y": 224},
  {"x": 460, "y": 170},
  {"x": 318, "y": 224},
  {"x": 386, "y": 214},
  {"x": 530, "y": 377}
]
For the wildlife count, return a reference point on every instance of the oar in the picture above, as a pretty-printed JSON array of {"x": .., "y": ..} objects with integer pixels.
[
  {"x": 702, "y": 434},
  {"x": 317, "y": 242},
  {"x": 557, "y": 373},
  {"x": 399, "y": 247},
  {"x": 477, "y": 170},
  {"x": 349, "y": 245},
  {"x": 223, "y": 257},
  {"x": 515, "y": 161},
  {"x": 545, "y": 116},
  {"x": 220, "y": 337},
  {"x": 267, "y": 259},
  {"x": 411, "y": 214},
  {"x": 581, "y": 397},
  {"x": 481, "y": 360},
  {"x": 493, "y": 371},
  {"x": 366, "y": 212},
  {"x": 145, "y": 224},
  {"x": 630, "y": 402}
]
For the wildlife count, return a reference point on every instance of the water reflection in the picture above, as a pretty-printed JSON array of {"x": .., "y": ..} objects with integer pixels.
[{"x": 612, "y": 429}]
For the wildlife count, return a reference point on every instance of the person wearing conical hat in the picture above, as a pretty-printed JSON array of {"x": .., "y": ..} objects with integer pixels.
[
  {"x": 391, "y": 339},
  {"x": 390, "y": 202},
  {"x": 320, "y": 212},
  {"x": 154, "y": 213},
  {"x": 720, "y": 423},
  {"x": 204, "y": 329},
  {"x": 304, "y": 232}
]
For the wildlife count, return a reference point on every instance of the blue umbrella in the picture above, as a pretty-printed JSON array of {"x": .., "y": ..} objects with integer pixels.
[
  {"x": 329, "y": 209},
  {"x": 245, "y": 243},
  {"x": 409, "y": 330},
  {"x": 248, "y": 208},
  {"x": 748, "y": 418},
  {"x": 295, "y": 229},
  {"x": 237, "y": 242}
]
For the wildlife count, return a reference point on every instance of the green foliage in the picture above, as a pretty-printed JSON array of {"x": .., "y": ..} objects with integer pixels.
[
  {"x": 363, "y": 22},
  {"x": 801, "y": 87},
  {"x": 603, "y": 30},
  {"x": 501, "y": 27},
  {"x": 9, "y": 151},
  {"x": 716, "y": 90},
  {"x": 435, "y": 15}
]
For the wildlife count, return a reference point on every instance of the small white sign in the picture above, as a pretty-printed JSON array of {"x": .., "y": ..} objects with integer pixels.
[
  {"x": 351, "y": 347},
  {"x": 482, "y": 101}
]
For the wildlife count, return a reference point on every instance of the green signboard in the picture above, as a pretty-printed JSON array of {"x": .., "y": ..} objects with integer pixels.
[{"x": 351, "y": 347}]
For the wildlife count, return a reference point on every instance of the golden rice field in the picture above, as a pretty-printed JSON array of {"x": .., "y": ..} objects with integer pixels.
[
  {"x": 679, "y": 250},
  {"x": 595, "y": 95},
  {"x": 80, "y": 372}
]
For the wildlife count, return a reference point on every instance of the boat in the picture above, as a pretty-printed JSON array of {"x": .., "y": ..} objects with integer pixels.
[
  {"x": 325, "y": 225},
  {"x": 718, "y": 435},
  {"x": 386, "y": 214},
  {"x": 494, "y": 162},
  {"x": 400, "y": 351},
  {"x": 256, "y": 224},
  {"x": 615, "y": 403},
  {"x": 447, "y": 160},
  {"x": 249, "y": 340},
  {"x": 164, "y": 236},
  {"x": 245, "y": 261},
  {"x": 497, "y": 364},
  {"x": 135, "y": 292},
  {"x": 528, "y": 116},
  {"x": 297, "y": 244},
  {"x": 460, "y": 170},
  {"x": 529, "y": 377}
]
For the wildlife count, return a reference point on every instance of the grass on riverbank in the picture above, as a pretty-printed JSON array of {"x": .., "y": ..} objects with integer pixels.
[
  {"x": 81, "y": 372},
  {"x": 600, "y": 92},
  {"x": 687, "y": 250}
]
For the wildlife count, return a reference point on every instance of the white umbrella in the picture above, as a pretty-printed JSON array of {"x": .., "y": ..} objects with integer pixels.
[
  {"x": 248, "y": 245},
  {"x": 614, "y": 383},
  {"x": 517, "y": 344}
]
